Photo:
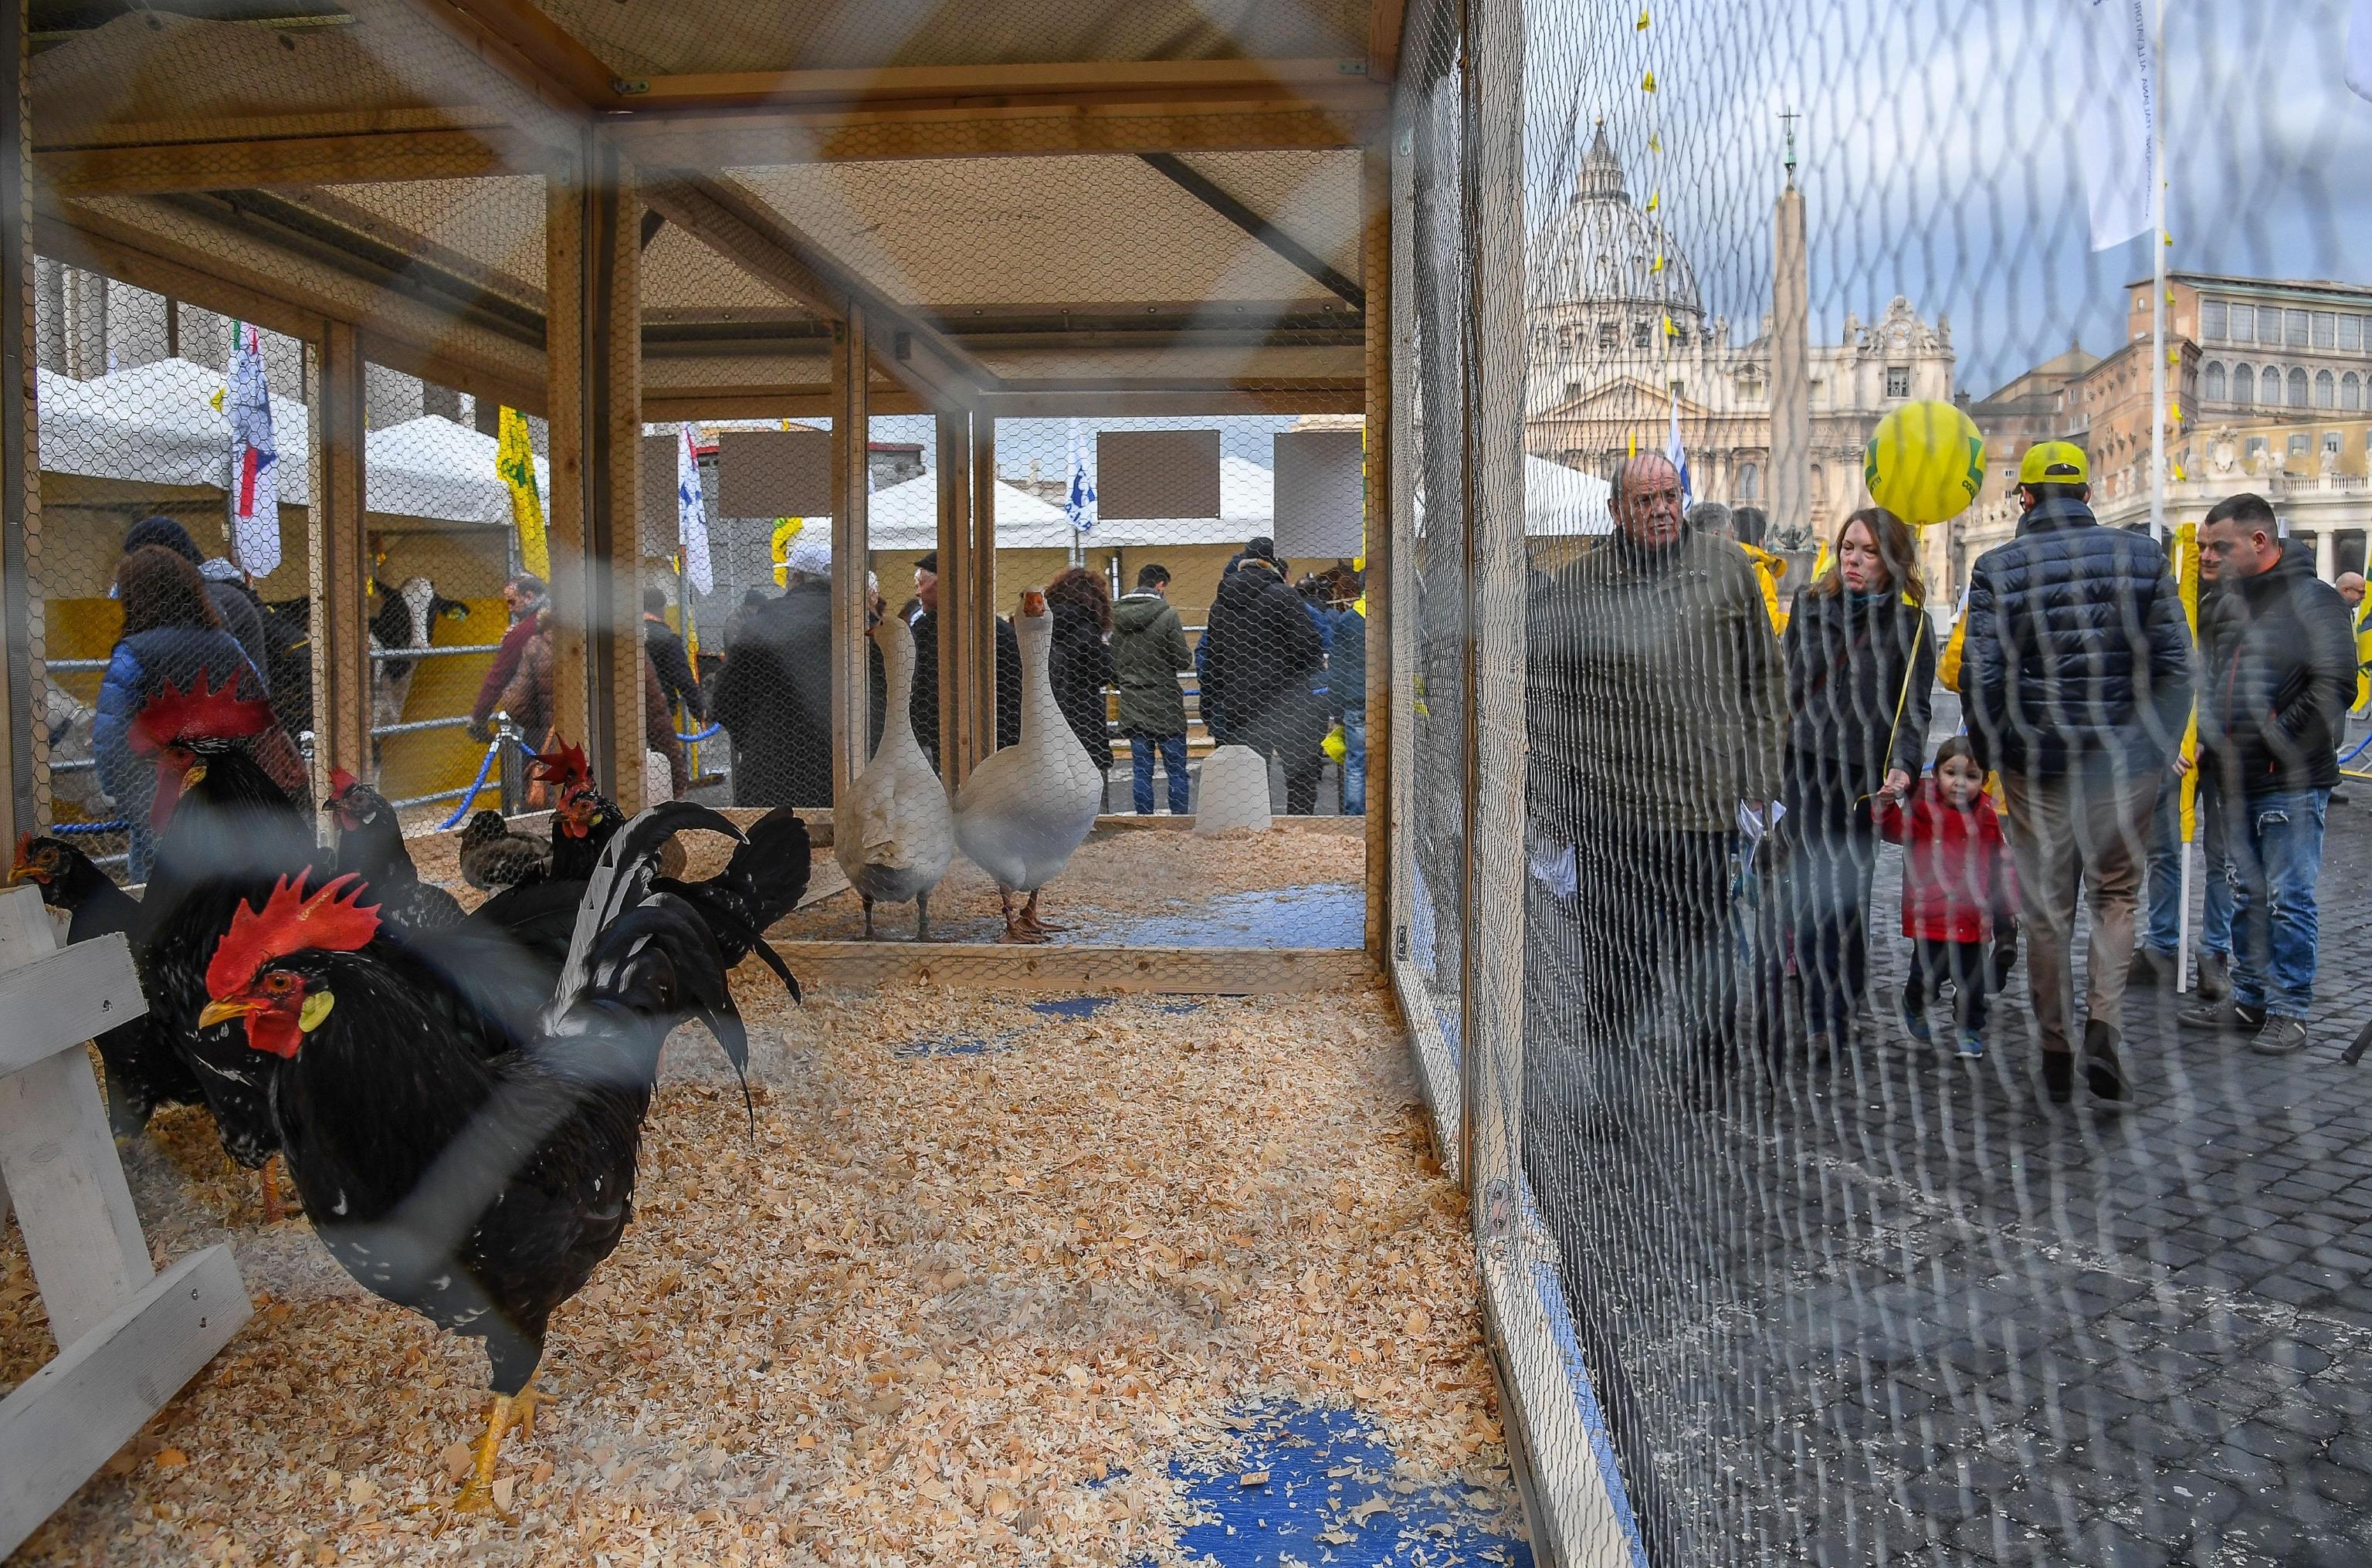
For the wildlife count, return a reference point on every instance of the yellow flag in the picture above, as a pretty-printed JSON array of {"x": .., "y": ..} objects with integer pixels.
[
  {"x": 1641, "y": 25},
  {"x": 1820, "y": 562},
  {"x": 1654, "y": 200},
  {"x": 1647, "y": 84},
  {"x": 515, "y": 461},
  {"x": 2364, "y": 653},
  {"x": 2186, "y": 573},
  {"x": 1655, "y": 144}
]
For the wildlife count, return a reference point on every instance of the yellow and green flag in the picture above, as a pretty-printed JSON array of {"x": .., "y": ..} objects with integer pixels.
[
  {"x": 515, "y": 461},
  {"x": 2186, "y": 573}
]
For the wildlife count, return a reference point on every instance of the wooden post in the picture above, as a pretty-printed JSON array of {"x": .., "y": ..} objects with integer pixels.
[
  {"x": 851, "y": 694},
  {"x": 593, "y": 345},
  {"x": 955, "y": 606},
  {"x": 565, "y": 233},
  {"x": 24, "y": 749},
  {"x": 1376, "y": 170},
  {"x": 127, "y": 1338},
  {"x": 1491, "y": 974},
  {"x": 334, "y": 554},
  {"x": 980, "y": 619}
]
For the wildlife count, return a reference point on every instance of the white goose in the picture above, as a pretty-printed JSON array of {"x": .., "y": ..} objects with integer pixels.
[
  {"x": 1025, "y": 809},
  {"x": 891, "y": 830}
]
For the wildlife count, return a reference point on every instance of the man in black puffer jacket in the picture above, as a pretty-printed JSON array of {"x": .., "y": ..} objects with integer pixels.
[
  {"x": 1265, "y": 656},
  {"x": 2280, "y": 671},
  {"x": 2076, "y": 682}
]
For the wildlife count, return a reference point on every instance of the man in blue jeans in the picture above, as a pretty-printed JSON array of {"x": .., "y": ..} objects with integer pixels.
[
  {"x": 1346, "y": 688},
  {"x": 2280, "y": 662},
  {"x": 1148, "y": 653},
  {"x": 2157, "y": 960}
]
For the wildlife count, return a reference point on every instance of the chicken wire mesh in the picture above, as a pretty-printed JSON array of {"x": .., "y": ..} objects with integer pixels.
[
  {"x": 1857, "y": 1186},
  {"x": 137, "y": 424}
]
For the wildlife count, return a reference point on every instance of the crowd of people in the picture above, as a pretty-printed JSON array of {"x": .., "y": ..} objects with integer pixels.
[
  {"x": 1281, "y": 668},
  {"x": 1706, "y": 791}
]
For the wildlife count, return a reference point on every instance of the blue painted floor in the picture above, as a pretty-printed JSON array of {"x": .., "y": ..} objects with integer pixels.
[
  {"x": 1315, "y": 914},
  {"x": 1329, "y": 1495},
  {"x": 997, "y": 1041}
]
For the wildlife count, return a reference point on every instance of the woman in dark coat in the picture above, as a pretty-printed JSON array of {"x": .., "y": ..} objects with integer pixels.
[
  {"x": 1861, "y": 670},
  {"x": 1081, "y": 662},
  {"x": 172, "y": 633}
]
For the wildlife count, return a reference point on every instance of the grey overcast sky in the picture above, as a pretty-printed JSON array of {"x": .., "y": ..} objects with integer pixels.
[{"x": 1937, "y": 152}]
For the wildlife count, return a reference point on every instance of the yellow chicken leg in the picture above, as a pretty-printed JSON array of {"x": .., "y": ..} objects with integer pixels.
[
  {"x": 478, "y": 1495},
  {"x": 270, "y": 1173}
]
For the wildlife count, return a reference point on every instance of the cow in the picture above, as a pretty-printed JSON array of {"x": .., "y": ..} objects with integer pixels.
[{"x": 402, "y": 621}]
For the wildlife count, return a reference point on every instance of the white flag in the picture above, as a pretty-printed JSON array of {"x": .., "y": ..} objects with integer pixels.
[
  {"x": 1675, "y": 454},
  {"x": 691, "y": 515},
  {"x": 2116, "y": 128},
  {"x": 254, "y": 476},
  {"x": 1080, "y": 508},
  {"x": 2359, "y": 50}
]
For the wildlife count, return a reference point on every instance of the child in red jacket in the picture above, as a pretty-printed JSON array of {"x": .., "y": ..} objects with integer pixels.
[{"x": 1958, "y": 889}]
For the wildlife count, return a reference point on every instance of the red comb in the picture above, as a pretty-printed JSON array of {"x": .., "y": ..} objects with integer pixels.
[
  {"x": 564, "y": 766},
  {"x": 341, "y": 781},
  {"x": 290, "y": 922},
  {"x": 202, "y": 712}
]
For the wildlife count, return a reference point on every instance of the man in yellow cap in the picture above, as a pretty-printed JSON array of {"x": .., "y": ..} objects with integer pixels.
[{"x": 2076, "y": 681}]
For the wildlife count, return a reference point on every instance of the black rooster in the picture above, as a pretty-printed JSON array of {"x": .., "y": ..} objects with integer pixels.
[
  {"x": 480, "y": 1194},
  {"x": 370, "y": 844},
  {"x": 583, "y": 818},
  {"x": 143, "y": 1072},
  {"x": 227, "y": 833}
]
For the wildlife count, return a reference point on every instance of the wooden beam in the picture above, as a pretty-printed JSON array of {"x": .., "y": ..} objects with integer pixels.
[
  {"x": 24, "y": 749},
  {"x": 719, "y": 139},
  {"x": 980, "y": 590},
  {"x": 1376, "y": 542},
  {"x": 1216, "y": 197},
  {"x": 758, "y": 242},
  {"x": 222, "y": 266},
  {"x": 278, "y": 162},
  {"x": 852, "y": 692},
  {"x": 1092, "y": 399},
  {"x": 61, "y": 1425},
  {"x": 1071, "y": 83},
  {"x": 336, "y": 553},
  {"x": 567, "y": 234},
  {"x": 1386, "y": 20},
  {"x": 614, "y": 437},
  {"x": 955, "y": 572},
  {"x": 666, "y": 403},
  {"x": 517, "y": 40},
  {"x": 1189, "y": 972}
]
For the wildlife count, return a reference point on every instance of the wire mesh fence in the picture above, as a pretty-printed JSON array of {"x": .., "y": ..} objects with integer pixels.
[{"x": 1895, "y": 1159}]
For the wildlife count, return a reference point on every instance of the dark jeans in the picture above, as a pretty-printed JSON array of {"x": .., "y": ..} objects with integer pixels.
[
  {"x": 1832, "y": 856},
  {"x": 1658, "y": 958},
  {"x": 1968, "y": 965},
  {"x": 1291, "y": 742},
  {"x": 1141, "y": 747}
]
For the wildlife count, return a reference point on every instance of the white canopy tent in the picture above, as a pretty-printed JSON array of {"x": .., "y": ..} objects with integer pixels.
[
  {"x": 906, "y": 517},
  {"x": 1561, "y": 500},
  {"x": 158, "y": 424}
]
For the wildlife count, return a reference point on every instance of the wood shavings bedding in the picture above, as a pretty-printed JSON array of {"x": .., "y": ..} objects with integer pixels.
[{"x": 949, "y": 1307}]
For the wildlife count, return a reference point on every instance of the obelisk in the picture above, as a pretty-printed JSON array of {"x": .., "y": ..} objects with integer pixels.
[{"x": 1791, "y": 369}]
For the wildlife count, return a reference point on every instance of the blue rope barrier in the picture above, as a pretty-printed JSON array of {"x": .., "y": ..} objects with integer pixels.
[
  {"x": 2360, "y": 746},
  {"x": 477, "y": 786},
  {"x": 704, "y": 735},
  {"x": 69, "y": 830}
]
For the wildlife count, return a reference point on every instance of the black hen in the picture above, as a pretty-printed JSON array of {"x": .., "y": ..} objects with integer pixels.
[
  {"x": 762, "y": 882},
  {"x": 143, "y": 1071},
  {"x": 227, "y": 832},
  {"x": 370, "y": 844},
  {"x": 480, "y": 1194},
  {"x": 492, "y": 857}
]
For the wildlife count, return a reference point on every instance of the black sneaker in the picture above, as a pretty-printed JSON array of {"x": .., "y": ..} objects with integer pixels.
[
  {"x": 2103, "y": 1073},
  {"x": 2222, "y": 1017},
  {"x": 2215, "y": 977},
  {"x": 2059, "y": 1075},
  {"x": 2280, "y": 1037},
  {"x": 2152, "y": 971}
]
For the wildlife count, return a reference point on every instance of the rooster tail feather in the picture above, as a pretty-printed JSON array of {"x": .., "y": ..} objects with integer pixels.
[
  {"x": 733, "y": 1038},
  {"x": 728, "y": 922},
  {"x": 623, "y": 875}
]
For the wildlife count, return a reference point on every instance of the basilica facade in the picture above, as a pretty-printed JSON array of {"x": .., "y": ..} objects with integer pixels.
[{"x": 1619, "y": 331}]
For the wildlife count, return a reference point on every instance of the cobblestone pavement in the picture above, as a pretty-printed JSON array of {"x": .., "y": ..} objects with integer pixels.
[{"x": 1902, "y": 1310}]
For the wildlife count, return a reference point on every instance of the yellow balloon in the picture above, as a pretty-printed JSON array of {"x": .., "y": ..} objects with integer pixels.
[{"x": 1924, "y": 463}]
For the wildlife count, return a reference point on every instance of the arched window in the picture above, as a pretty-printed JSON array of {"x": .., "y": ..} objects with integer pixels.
[
  {"x": 2326, "y": 389},
  {"x": 2351, "y": 391},
  {"x": 2298, "y": 387},
  {"x": 1750, "y": 478},
  {"x": 2244, "y": 385},
  {"x": 2214, "y": 381}
]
